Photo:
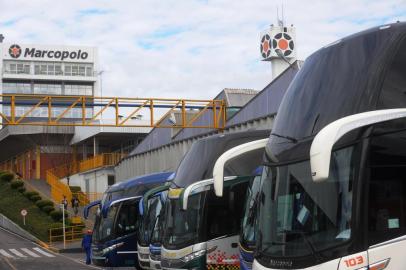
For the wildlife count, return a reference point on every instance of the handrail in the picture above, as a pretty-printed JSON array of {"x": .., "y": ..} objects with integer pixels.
[
  {"x": 102, "y": 160},
  {"x": 72, "y": 233},
  {"x": 60, "y": 189},
  {"x": 159, "y": 110}
]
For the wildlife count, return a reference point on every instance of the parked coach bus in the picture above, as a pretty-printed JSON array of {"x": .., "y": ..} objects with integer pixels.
[
  {"x": 333, "y": 187},
  {"x": 150, "y": 208},
  {"x": 201, "y": 230},
  {"x": 115, "y": 229},
  {"x": 155, "y": 246}
]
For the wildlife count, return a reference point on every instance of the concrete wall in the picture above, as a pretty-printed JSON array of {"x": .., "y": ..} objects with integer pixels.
[{"x": 12, "y": 227}]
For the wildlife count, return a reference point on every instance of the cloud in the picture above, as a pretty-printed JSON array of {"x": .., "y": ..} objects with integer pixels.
[{"x": 184, "y": 48}]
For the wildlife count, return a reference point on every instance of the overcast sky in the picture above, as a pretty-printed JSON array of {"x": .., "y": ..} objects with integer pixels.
[{"x": 188, "y": 49}]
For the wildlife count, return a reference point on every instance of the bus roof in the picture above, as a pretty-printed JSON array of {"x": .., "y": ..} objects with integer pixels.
[
  {"x": 358, "y": 73},
  {"x": 199, "y": 161}
]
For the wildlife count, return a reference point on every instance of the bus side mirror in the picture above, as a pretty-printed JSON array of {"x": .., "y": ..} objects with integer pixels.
[
  {"x": 218, "y": 170},
  {"x": 322, "y": 145},
  {"x": 192, "y": 189}
]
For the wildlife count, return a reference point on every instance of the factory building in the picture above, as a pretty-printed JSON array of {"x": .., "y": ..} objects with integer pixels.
[{"x": 49, "y": 153}]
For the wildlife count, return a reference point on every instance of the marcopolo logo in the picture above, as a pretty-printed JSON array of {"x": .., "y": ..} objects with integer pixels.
[
  {"x": 14, "y": 51},
  {"x": 33, "y": 52}
]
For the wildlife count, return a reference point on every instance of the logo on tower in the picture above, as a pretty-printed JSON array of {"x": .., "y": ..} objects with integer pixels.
[
  {"x": 14, "y": 51},
  {"x": 265, "y": 46},
  {"x": 284, "y": 43}
]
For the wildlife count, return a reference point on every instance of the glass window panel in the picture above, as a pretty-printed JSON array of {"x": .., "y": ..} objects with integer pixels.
[
  {"x": 36, "y": 69},
  {"x": 27, "y": 69},
  {"x": 51, "y": 70},
  {"x": 68, "y": 70},
  {"x": 89, "y": 113},
  {"x": 44, "y": 112},
  {"x": 89, "y": 71},
  {"x": 13, "y": 68},
  {"x": 43, "y": 70},
  {"x": 20, "y": 68},
  {"x": 58, "y": 70},
  {"x": 75, "y": 70},
  {"x": 82, "y": 71}
]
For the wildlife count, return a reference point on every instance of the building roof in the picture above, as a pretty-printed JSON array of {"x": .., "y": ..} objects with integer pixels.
[
  {"x": 254, "y": 105},
  {"x": 160, "y": 136},
  {"x": 82, "y": 134}
]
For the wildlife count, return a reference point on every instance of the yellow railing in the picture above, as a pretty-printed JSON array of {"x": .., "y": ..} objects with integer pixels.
[
  {"x": 102, "y": 160},
  {"x": 72, "y": 233},
  {"x": 60, "y": 189},
  {"x": 91, "y": 108},
  {"x": 86, "y": 198}
]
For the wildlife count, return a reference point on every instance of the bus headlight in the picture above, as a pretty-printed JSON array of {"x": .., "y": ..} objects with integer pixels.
[{"x": 193, "y": 255}]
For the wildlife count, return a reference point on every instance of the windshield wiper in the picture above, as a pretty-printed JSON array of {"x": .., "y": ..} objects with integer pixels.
[
  {"x": 285, "y": 137},
  {"x": 307, "y": 241}
]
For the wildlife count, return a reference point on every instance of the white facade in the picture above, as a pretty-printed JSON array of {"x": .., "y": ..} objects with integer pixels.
[
  {"x": 95, "y": 181},
  {"x": 48, "y": 70}
]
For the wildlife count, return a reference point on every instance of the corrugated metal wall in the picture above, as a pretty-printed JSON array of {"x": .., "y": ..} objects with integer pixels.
[
  {"x": 159, "y": 152},
  {"x": 168, "y": 157}
]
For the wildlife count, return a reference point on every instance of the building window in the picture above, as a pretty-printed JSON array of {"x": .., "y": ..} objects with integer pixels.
[
  {"x": 16, "y": 88},
  {"x": 83, "y": 70},
  {"x": 51, "y": 89},
  {"x": 111, "y": 179},
  {"x": 49, "y": 68},
  {"x": 17, "y": 67},
  {"x": 68, "y": 70},
  {"x": 78, "y": 90},
  {"x": 58, "y": 70}
]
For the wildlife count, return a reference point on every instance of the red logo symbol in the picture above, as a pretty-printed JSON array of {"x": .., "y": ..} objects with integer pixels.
[
  {"x": 265, "y": 46},
  {"x": 283, "y": 42},
  {"x": 14, "y": 51}
]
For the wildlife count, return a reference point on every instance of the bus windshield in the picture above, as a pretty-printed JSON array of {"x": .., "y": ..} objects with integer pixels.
[
  {"x": 104, "y": 225},
  {"x": 299, "y": 217},
  {"x": 156, "y": 235},
  {"x": 121, "y": 220},
  {"x": 154, "y": 206},
  {"x": 250, "y": 210},
  {"x": 182, "y": 227}
]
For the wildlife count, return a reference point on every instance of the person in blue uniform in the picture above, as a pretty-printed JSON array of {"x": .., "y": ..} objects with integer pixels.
[{"x": 87, "y": 245}]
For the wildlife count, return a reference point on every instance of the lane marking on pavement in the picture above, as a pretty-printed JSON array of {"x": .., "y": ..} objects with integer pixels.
[
  {"x": 43, "y": 252},
  {"x": 5, "y": 254},
  {"x": 29, "y": 252},
  {"x": 18, "y": 253},
  {"x": 59, "y": 255},
  {"x": 9, "y": 264}
]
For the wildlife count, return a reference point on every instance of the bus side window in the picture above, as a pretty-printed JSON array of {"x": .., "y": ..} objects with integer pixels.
[
  {"x": 387, "y": 188},
  {"x": 225, "y": 213},
  {"x": 127, "y": 219}
]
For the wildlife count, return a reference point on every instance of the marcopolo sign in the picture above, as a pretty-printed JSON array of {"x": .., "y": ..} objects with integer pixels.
[{"x": 16, "y": 51}]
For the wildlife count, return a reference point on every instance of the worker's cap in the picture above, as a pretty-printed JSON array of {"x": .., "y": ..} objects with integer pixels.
[{"x": 89, "y": 231}]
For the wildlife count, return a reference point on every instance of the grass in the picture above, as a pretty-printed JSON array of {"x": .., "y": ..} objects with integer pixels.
[{"x": 11, "y": 204}]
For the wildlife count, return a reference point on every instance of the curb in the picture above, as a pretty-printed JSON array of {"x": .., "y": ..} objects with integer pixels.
[
  {"x": 54, "y": 249},
  {"x": 71, "y": 250},
  {"x": 43, "y": 244}
]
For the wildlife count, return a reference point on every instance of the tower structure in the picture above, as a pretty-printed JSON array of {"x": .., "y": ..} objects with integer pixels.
[{"x": 278, "y": 46}]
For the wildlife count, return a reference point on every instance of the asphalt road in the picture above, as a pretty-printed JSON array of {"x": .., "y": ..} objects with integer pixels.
[{"x": 17, "y": 253}]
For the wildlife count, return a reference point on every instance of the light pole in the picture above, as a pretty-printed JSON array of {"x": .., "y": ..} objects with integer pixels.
[
  {"x": 63, "y": 225},
  {"x": 100, "y": 74}
]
